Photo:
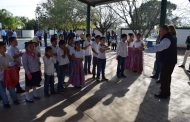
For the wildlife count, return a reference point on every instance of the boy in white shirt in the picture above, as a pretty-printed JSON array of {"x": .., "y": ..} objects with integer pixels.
[
  {"x": 88, "y": 54},
  {"x": 49, "y": 69},
  {"x": 101, "y": 60},
  {"x": 95, "y": 54},
  {"x": 63, "y": 60},
  {"x": 122, "y": 53}
]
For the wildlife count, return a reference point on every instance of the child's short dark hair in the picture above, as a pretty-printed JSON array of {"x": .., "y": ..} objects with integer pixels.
[
  {"x": 130, "y": 34},
  {"x": 138, "y": 34},
  {"x": 28, "y": 43},
  {"x": 11, "y": 39},
  {"x": 98, "y": 37},
  {"x": 103, "y": 38},
  {"x": 87, "y": 35},
  {"x": 2, "y": 44},
  {"x": 62, "y": 42},
  {"x": 48, "y": 48},
  {"x": 123, "y": 36},
  {"x": 53, "y": 38}
]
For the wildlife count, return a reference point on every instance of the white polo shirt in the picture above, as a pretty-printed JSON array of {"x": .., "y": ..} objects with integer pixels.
[
  {"x": 95, "y": 47},
  {"x": 88, "y": 51},
  {"x": 100, "y": 54},
  {"x": 60, "y": 59},
  {"x": 49, "y": 68},
  {"x": 122, "y": 49}
]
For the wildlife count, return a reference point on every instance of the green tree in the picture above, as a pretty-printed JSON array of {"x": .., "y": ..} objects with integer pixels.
[{"x": 61, "y": 14}]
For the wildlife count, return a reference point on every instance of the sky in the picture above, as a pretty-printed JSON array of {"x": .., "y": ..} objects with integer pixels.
[{"x": 27, "y": 7}]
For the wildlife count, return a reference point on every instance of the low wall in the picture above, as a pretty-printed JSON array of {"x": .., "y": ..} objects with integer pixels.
[{"x": 27, "y": 33}]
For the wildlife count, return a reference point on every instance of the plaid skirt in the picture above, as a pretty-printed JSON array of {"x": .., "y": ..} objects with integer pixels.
[
  {"x": 128, "y": 61},
  {"x": 137, "y": 61},
  {"x": 77, "y": 76}
]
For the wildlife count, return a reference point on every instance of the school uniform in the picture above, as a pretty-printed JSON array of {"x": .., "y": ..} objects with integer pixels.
[
  {"x": 95, "y": 48},
  {"x": 63, "y": 68},
  {"x": 77, "y": 72},
  {"x": 31, "y": 66},
  {"x": 101, "y": 62},
  {"x": 88, "y": 56},
  {"x": 122, "y": 53},
  {"x": 12, "y": 51},
  {"x": 56, "y": 65},
  {"x": 49, "y": 70},
  {"x": 5, "y": 61}
]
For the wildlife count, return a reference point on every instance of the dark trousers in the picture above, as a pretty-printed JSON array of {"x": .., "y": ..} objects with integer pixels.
[
  {"x": 45, "y": 42},
  {"x": 49, "y": 83},
  {"x": 157, "y": 67},
  {"x": 4, "y": 39},
  {"x": 87, "y": 63},
  {"x": 120, "y": 65},
  {"x": 101, "y": 63},
  {"x": 94, "y": 66},
  {"x": 114, "y": 46},
  {"x": 165, "y": 78},
  {"x": 61, "y": 76}
]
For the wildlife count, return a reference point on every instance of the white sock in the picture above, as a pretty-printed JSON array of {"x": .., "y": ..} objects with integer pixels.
[
  {"x": 27, "y": 96},
  {"x": 35, "y": 92}
]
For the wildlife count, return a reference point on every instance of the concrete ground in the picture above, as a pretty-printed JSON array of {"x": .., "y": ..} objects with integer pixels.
[{"x": 125, "y": 100}]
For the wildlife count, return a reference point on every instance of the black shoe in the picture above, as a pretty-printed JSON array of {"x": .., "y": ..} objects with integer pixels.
[
  {"x": 20, "y": 91},
  {"x": 104, "y": 79},
  {"x": 182, "y": 66},
  {"x": 29, "y": 101},
  {"x": 39, "y": 85},
  {"x": 153, "y": 77},
  {"x": 16, "y": 102},
  {"x": 118, "y": 76},
  {"x": 89, "y": 72},
  {"x": 36, "y": 97},
  {"x": 46, "y": 95},
  {"x": 160, "y": 96},
  {"x": 188, "y": 71},
  {"x": 123, "y": 76},
  {"x": 98, "y": 79},
  {"x": 6, "y": 106},
  {"x": 158, "y": 81}
]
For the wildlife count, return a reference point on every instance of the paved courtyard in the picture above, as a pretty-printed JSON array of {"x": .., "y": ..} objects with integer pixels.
[{"x": 125, "y": 100}]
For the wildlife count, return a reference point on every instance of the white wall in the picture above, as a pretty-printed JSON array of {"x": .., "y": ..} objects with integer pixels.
[
  {"x": 182, "y": 36},
  {"x": 27, "y": 33}
]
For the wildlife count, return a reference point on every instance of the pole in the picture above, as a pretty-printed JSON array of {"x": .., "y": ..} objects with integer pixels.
[
  {"x": 163, "y": 12},
  {"x": 88, "y": 19}
]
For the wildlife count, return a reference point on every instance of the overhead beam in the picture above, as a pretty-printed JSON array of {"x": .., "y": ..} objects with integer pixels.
[{"x": 88, "y": 19}]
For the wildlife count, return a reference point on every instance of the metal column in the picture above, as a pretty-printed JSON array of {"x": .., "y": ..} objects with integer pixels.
[
  {"x": 88, "y": 19},
  {"x": 163, "y": 12}
]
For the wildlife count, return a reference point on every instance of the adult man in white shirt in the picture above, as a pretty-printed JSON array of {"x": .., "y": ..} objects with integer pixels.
[
  {"x": 95, "y": 54},
  {"x": 167, "y": 52},
  {"x": 88, "y": 54},
  {"x": 122, "y": 53},
  {"x": 3, "y": 34}
]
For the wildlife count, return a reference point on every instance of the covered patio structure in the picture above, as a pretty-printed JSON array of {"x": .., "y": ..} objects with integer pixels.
[{"x": 101, "y": 2}]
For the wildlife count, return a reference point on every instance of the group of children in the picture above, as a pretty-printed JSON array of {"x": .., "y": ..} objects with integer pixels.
[{"x": 65, "y": 57}]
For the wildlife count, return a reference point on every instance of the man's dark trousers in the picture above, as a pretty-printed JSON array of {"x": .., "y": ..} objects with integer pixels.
[{"x": 165, "y": 78}]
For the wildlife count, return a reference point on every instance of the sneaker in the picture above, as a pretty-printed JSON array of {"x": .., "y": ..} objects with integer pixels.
[
  {"x": 153, "y": 77},
  {"x": 16, "y": 102},
  {"x": 36, "y": 97},
  {"x": 182, "y": 66},
  {"x": 6, "y": 106},
  {"x": 29, "y": 101}
]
